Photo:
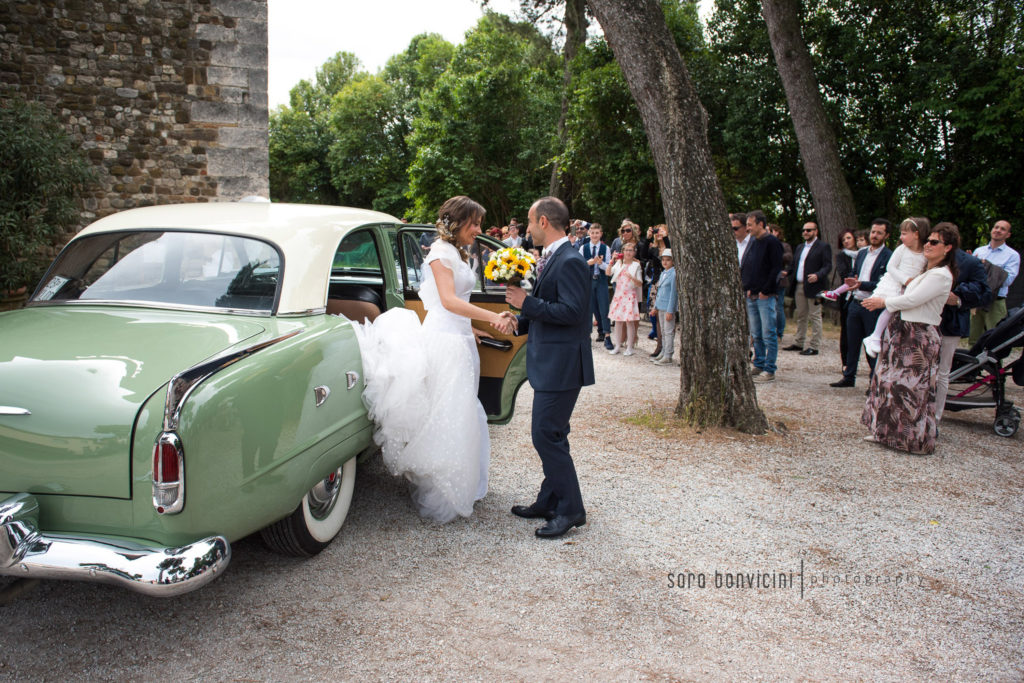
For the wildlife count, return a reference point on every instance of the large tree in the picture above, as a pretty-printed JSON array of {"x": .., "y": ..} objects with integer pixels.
[
  {"x": 833, "y": 201},
  {"x": 716, "y": 388}
]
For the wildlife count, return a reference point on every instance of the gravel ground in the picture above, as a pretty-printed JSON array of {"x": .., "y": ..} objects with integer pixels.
[{"x": 885, "y": 566}]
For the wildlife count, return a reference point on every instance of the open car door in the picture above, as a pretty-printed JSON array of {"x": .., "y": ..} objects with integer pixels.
[{"x": 502, "y": 370}]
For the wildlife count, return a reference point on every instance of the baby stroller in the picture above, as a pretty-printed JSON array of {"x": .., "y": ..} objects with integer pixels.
[{"x": 977, "y": 378}]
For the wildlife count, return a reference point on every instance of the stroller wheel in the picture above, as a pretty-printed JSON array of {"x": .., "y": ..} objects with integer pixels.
[{"x": 1006, "y": 423}]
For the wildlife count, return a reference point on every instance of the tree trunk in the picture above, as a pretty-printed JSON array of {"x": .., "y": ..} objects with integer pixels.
[
  {"x": 715, "y": 388},
  {"x": 833, "y": 201},
  {"x": 575, "y": 38}
]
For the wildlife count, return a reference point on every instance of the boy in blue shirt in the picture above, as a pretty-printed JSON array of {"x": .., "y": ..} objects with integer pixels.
[{"x": 665, "y": 307}]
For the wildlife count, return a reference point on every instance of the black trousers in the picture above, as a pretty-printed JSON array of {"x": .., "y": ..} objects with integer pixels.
[
  {"x": 560, "y": 491},
  {"x": 860, "y": 323}
]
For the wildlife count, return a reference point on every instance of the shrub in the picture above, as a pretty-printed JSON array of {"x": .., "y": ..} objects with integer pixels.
[{"x": 41, "y": 174}]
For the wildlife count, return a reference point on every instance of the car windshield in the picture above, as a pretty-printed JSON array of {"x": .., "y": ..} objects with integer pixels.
[{"x": 167, "y": 268}]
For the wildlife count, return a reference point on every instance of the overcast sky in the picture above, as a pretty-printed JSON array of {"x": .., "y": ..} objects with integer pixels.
[{"x": 303, "y": 34}]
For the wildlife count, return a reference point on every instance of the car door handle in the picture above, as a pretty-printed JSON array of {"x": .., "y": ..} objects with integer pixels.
[{"x": 499, "y": 344}]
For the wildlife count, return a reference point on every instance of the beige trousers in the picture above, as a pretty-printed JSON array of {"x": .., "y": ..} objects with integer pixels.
[
  {"x": 946, "y": 352},
  {"x": 807, "y": 308}
]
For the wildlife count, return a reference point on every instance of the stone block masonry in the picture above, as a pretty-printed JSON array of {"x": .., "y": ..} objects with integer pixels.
[{"x": 167, "y": 97}]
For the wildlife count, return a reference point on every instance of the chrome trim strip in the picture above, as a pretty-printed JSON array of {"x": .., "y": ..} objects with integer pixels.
[
  {"x": 13, "y": 410},
  {"x": 184, "y": 383},
  {"x": 151, "y": 304},
  {"x": 162, "y": 572},
  {"x": 302, "y": 314}
]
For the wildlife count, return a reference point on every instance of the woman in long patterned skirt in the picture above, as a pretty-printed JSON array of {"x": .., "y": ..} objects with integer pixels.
[{"x": 900, "y": 410}]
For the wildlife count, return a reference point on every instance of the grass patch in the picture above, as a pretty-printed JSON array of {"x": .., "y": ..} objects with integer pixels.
[{"x": 662, "y": 422}]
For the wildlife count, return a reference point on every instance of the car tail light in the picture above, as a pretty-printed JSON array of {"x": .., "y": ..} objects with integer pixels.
[{"x": 168, "y": 474}]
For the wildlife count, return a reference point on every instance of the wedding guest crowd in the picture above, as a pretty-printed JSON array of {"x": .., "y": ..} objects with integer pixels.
[
  {"x": 923, "y": 297},
  {"x": 919, "y": 301}
]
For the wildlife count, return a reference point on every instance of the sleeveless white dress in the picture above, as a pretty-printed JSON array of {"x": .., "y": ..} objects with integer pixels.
[{"x": 421, "y": 393}]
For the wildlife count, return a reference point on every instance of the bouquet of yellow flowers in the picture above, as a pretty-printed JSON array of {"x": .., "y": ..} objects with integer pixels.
[{"x": 510, "y": 266}]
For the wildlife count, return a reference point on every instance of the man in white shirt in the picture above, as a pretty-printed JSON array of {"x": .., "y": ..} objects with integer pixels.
[
  {"x": 996, "y": 253},
  {"x": 860, "y": 322},
  {"x": 812, "y": 263},
  {"x": 513, "y": 239},
  {"x": 739, "y": 231}
]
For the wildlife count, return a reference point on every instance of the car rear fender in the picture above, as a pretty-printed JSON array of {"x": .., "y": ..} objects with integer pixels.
[{"x": 255, "y": 440}]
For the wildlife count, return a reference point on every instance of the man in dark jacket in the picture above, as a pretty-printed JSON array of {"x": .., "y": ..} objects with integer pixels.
[
  {"x": 970, "y": 290},
  {"x": 759, "y": 271},
  {"x": 812, "y": 262},
  {"x": 860, "y": 322}
]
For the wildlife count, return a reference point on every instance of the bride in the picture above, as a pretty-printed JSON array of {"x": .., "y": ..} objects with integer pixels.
[{"x": 422, "y": 380}]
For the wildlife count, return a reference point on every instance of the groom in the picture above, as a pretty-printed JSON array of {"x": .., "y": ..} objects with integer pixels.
[{"x": 558, "y": 362}]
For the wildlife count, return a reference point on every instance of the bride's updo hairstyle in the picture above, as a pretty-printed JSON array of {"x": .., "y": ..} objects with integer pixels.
[{"x": 455, "y": 214}]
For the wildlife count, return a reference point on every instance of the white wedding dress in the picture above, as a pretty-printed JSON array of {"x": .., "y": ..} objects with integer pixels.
[{"x": 421, "y": 393}]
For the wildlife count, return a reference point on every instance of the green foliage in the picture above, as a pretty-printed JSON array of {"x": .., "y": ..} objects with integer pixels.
[
  {"x": 368, "y": 155},
  {"x": 41, "y": 173},
  {"x": 926, "y": 98},
  {"x": 487, "y": 128},
  {"x": 300, "y": 136},
  {"x": 606, "y": 148}
]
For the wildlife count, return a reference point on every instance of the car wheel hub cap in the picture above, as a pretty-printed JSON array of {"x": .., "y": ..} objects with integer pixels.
[{"x": 323, "y": 496}]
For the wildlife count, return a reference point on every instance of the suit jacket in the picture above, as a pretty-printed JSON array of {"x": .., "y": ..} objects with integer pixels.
[
  {"x": 556, "y": 315},
  {"x": 876, "y": 270},
  {"x": 972, "y": 288},
  {"x": 819, "y": 262}
]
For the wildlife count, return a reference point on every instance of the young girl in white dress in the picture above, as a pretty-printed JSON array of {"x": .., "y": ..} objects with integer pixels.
[{"x": 422, "y": 380}]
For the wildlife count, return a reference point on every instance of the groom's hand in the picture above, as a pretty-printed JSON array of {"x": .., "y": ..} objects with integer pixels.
[{"x": 515, "y": 295}]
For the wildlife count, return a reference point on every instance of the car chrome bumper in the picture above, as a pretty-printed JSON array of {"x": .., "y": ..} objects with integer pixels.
[{"x": 162, "y": 572}]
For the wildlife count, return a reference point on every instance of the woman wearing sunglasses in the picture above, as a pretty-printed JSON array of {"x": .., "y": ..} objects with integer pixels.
[{"x": 900, "y": 410}]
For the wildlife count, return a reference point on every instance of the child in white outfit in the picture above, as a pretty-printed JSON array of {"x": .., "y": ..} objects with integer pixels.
[{"x": 906, "y": 263}]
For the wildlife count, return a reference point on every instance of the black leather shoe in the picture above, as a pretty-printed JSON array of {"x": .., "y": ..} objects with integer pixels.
[
  {"x": 557, "y": 526},
  {"x": 531, "y": 512},
  {"x": 844, "y": 382},
  {"x": 793, "y": 347},
  {"x": 809, "y": 352}
]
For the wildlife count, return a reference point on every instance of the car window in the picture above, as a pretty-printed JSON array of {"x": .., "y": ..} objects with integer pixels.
[
  {"x": 166, "y": 267},
  {"x": 357, "y": 259},
  {"x": 416, "y": 244}
]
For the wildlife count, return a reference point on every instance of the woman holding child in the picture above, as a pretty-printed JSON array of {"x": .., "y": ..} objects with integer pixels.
[{"x": 900, "y": 410}]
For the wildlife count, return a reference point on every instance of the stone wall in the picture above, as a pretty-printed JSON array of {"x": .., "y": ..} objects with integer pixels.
[{"x": 167, "y": 97}]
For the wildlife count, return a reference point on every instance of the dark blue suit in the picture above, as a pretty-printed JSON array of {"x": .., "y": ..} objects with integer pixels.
[
  {"x": 558, "y": 364},
  {"x": 598, "y": 285},
  {"x": 972, "y": 289},
  {"x": 860, "y": 322}
]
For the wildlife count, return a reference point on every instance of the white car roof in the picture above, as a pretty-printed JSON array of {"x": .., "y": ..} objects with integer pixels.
[{"x": 307, "y": 235}]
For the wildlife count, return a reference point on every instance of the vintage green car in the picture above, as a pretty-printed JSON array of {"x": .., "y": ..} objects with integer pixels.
[{"x": 186, "y": 375}]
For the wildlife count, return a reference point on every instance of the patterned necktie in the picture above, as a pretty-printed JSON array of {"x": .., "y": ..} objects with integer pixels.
[{"x": 541, "y": 262}]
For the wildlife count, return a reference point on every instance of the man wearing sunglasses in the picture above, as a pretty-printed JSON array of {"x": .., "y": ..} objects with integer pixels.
[
  {"x": 813, "y": 260},
  {"x": 740, "y": 232}
]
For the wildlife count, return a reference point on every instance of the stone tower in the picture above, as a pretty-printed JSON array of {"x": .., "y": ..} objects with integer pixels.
[{"x": 167, "y": 97}]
